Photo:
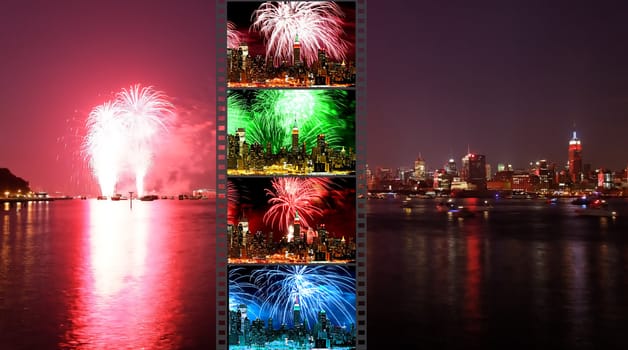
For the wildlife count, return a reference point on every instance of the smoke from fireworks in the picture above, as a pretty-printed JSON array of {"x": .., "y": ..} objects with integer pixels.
[
  {"x": 122, "y": 134},
  {"x": 315, "y": 24},
  {"x": 292, "y": 195}
]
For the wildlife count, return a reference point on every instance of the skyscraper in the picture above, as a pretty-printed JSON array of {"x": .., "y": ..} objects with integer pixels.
[
  {"x": 295, "y": 138},
  {"x": 451, "y": 168},
  {"x": 419, "y": 169},
  {"x": 575, "y": 159},
  {"x": 296, "y": 51},
  {"x": 297, "y": 228},
  {"x": 474, "y": 170},
  {"x": 296, "y": 312}
]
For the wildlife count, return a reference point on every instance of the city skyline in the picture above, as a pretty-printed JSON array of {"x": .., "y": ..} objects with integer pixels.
[
  {"x": 506, "y": 80},
  {"x": 432, "y": 165}
]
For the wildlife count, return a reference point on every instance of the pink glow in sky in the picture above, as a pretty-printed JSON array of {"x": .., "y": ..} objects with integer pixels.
[{"x": 60, "y": 62}]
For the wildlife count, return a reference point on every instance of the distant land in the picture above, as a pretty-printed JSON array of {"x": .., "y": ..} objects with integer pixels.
[{"x": 12, "y": 183}]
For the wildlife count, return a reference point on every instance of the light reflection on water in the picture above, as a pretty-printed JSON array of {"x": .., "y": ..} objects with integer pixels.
[
  {"x": 517, "y": 273},
  {"x": 97, "y": 275}
]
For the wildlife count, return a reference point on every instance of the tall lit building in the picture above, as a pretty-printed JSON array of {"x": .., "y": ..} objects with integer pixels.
[
  {"x": 295, "y": 138},
  {"x": 297, "y": 228},
  {"x": 419, "y": 169},
  {"x": 296, "y": 312},
  {"x": 474, "y": 170},
  {"x": 296, "y": 51},
  {"x": 575, "y": 159},
  {"x": 243, "y": 316},
  {"x": 451, "y": 168},
  {"x": 241, "y": 133},
  {"x": 244, "y": 51}
]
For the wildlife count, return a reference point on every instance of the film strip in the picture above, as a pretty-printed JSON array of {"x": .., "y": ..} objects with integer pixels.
[
  {"x": 222, "y": 297},
  {"x": 291, "y": 124},
  {"x": 362, "y": 192}
]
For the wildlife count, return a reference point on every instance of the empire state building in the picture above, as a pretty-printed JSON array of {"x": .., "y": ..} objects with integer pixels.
[{"x": 575, "y": 159}]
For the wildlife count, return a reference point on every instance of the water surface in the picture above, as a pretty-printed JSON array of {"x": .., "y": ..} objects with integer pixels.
[{"x": 90, "y": 274}]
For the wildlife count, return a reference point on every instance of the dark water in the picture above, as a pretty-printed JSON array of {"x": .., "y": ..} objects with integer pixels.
[
  {"x": 524, "y": 274},
  {"x": 96, "y": 275}
]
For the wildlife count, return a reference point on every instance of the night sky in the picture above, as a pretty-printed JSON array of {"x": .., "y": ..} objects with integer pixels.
[
  {"x": 507, "y": 79},
  {"x": 62, "y": 58}
]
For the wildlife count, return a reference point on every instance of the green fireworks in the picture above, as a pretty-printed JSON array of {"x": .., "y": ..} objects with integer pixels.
[{"x": 269, "y": 116}]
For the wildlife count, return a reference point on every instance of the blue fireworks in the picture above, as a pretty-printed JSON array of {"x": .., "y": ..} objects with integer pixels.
[
  {"x": 240, "y": 292},
  {"x": 273, "y": 291}
]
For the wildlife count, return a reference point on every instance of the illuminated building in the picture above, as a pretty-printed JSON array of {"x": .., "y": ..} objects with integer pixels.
[
  {"x": 296, "y": 51},
  {"x": 235, "y": 326},
  {"x": 255, "y": 159},
  {"x": 296, "y": 228},
  {"x": 451, "y": 168},
  {"x": 295, "y": 138},
  {"x": 241, "y": 138},
  {"x": 419, "y": 169},
  {"x": 604, "y": 179},
  {"x": 296, "y": 312},
  {"x": 575, "y": 159},
  {"x": 543, "y": 172},
  {"x": 442, "y": 180},
  {"x": 474, "y": 170},
  {"x": 244, "y": 324}
]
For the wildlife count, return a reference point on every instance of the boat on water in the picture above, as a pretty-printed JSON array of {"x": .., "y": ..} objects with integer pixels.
[
  {"x": 101, "y": 198},
  {"x": 522, "y": 195},
  {"x": 149, "y": 197},
  {"x": 597, "y": 208}
]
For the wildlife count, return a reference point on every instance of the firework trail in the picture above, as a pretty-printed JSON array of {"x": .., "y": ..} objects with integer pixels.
[
  {"x": 329, "y": 288},
  {"x": 290, "y": 195},
  {"x": 104, "y": 145},
  {"x": 241, "y": 291},
  {"x": 271, "y": 114},
  {"x": 316, "y": 24},
  {"x": 145, "y": 112},
  {"x": 127, "y": 128},
  {"x": 233, "y": 199},
  {"x": 238, "y": 113},
  {"x": 233, "y": 37}
]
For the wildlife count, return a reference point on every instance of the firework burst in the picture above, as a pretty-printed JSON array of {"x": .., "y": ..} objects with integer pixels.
[
  {"x": 233, "y": 37},
  {"x": 241, "y": 291},
  {"x": 104, "y": 145},
  {"x": 233, "y": 198},
  {"x": 270, "y": 115},
  {"x": 329, "y": 288},
  {"x": 123, "y": 133},
  {"x": 294, "y": 195},
  {"x": 315, "y": 24}
]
